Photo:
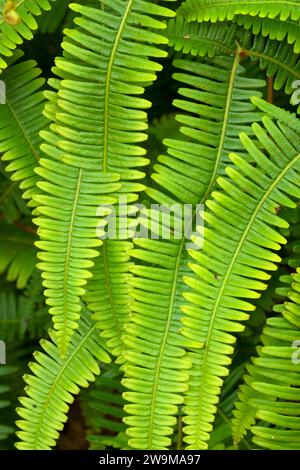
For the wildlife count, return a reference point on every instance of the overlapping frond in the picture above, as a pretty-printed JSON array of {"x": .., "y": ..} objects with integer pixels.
[
  {"x": 156, "y": 374},
  {"x": 105, "y": 66},
  {"x": 239, "y": 250},
  {"x": 53, "y": 383},
  {"x": 205, "y": 39},
  {"x": 19, "y": 134},
  {"x": 272, "y": 383},
  {"x": 17, "y": 22},
  {"x": 211, "y": 39}
]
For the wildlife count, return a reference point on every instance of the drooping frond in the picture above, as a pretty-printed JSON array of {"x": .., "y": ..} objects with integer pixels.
[
  {"x": 17, "y": 22},
  {"x": 188, "y": 174},
  {"x": 53, "y": 384},
  {"x": 19, "y": 135},
  {"x": 105, "y": 65},
  {"x": 18, "y": 263},
  {"x": 215, "y": 94},
  {"x": 239, "y": 250},
  {"x": 108, "y": 292}
]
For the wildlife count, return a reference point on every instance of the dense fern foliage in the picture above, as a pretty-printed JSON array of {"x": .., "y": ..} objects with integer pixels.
[{"x": 149, "y": 224}]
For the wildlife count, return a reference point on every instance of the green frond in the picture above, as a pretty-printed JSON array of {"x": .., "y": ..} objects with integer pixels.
[
  {"x": 239, "y": 251},
  {"x": 220, "y": 10},
  {"x": 18, "y": 254},
  {"x": 188, "y": 173},
  {"x": 244, "y": 413},
  {"x": 213, "y": 97},
  {"x": 104, "y": 140},
  {"x": 273, "y": 378},
  {"x": 108, "y": 292},
  {"x": 214, "y": 39},
  {"x": 278, "y": 60},
  {"x": 19, "y": 136},
  {"x": 54, "y": 382},
  {"x": 274, "y": 28},
  {"x": 17, "y": 22},
  {"x": 205, "y": 39}
]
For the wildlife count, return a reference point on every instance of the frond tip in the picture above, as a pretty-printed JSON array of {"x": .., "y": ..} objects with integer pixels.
[{"x": 53, "y": 384}]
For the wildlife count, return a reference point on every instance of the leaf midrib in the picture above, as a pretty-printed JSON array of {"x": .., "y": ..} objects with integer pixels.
[
  {"x": 183, "y": 241},
  {"x": 57, "y": 378},
  {"x": 231, "y": 265}
]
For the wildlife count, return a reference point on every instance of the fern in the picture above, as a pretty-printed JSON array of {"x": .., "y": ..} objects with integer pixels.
[
  {"x": 19, "y": 136},
  {"x": 201, "y": 328},
  {"x": 273, "y": 380},
  {"x": 54, "y": 382},
  {"x": 214, "y": 10},
  {"x": 111, "y": 149},
  {"x": 188, "y": 172},
  {"x": 223, "y": 292}
]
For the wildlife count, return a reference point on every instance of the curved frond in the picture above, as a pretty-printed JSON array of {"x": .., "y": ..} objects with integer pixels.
[
  {"x": 53, "y": 383},
  {"x": 239, "y": 251},
  {"x": 273, "y": 380},
  {"x": 188, "y": 174},
  {"x": 104, "y": 96},
  {"x": 19, "y": 136}
]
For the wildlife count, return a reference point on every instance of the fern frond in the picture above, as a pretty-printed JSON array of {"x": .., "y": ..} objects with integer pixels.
[
  {"x": 274, "y": 28},
  {"x": 19, "y": 136},
  {"x": 105, "y": 97},
  {"x": 108, "y": 292},
  {"x": 188, "y": 174},
  {"x": 214, "y": 39},
  {"x": 205, "y": 39},
  {"x": 54, "y": 382},
  {"x": 18, "y": 263},
  {"x": 220, "y": 10},
  {"x": 239, "y": 250},
  {"x": 17, "y": 22},
  {"x": 275, "y": 370}
]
